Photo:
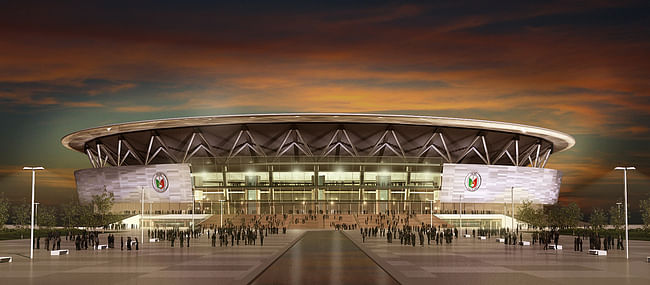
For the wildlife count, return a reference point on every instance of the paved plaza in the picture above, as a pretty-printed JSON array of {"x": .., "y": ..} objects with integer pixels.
[
  {"x": 475, "y": 261},
  {"x": 326, "y": 257},
  {"x": 154, "y": 263}
]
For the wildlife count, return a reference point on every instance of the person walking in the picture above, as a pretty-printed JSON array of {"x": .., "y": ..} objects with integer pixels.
[{"x": 580, "y": 242}]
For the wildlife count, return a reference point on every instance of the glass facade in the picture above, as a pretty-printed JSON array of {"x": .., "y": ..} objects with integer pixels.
[{"x": 311, "y": 181}]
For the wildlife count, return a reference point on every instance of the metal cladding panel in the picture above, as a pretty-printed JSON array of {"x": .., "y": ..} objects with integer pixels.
[
  {"x": 125, "y": 183},
  {"x": 539, "y": 185}
]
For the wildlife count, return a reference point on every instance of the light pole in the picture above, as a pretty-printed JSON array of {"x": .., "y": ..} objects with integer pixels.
[
  {"x": 431, "y": 213},
  {"x": 193, "y": 209},
  {"x": 512, "y": 202},
  {"x": 36, "y": 215},
  {"x": 618, "y": 204},
  {"x": 627, "y": 242},
  {"x": 142, "y": 215},
  {"x": 33, "y": 169},
  {"x": 460, "y": 212},
  {"x": 221, "y": 215}
]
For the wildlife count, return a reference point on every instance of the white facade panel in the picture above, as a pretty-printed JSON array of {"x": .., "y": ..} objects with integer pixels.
[
  {"x": 539, "y": 185},
  {"x": 126, "y": 183}
]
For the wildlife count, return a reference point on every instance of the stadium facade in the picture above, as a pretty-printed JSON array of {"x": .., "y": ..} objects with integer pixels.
[{"x": 318, "y": 163}]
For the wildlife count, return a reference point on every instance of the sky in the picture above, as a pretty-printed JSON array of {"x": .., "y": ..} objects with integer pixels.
[{"x": 579, "y": 67}]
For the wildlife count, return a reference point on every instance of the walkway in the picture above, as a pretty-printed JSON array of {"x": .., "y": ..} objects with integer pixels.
[{"x": 324, "y": 257}]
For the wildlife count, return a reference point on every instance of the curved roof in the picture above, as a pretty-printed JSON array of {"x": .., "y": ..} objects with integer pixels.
[{"x": 77, "y": 140}]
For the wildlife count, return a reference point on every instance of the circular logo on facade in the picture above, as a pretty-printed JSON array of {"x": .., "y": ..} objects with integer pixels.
[
  {"x": 473, "y": 181},
  {"x": 160, "y": 182}
]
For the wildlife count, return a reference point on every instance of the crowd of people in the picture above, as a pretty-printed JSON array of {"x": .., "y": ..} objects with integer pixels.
[
  {"x": 393, "y": 227},
  {"x": 248, "y": 231},
  {"x": 251, "y": 230}
]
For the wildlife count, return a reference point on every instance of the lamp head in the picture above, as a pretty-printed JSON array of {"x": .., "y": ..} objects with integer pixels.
[
  {"x": 625, "y": 168},
  {"x": 33, "y": 168}
]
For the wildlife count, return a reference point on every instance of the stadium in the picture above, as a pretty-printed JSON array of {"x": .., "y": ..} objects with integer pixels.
[{"x": 465, "y": 171}]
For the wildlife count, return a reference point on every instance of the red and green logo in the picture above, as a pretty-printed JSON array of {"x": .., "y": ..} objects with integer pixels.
[
  {"x": 472, "y": 181},
  {"x": 160, "y": 182}
]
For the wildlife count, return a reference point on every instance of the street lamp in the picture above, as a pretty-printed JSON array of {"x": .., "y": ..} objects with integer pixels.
[
  {"x": 431, "y": 213},
  {"x": 512, "y": 203},
  {"x": 36, "y": 215},
  {"x": 221, "y": 215},
  {"x": 33, "y": 169},
  {"x": 142, "y": 215},
  {"x": 627, "y": 242},
  {"x": 193, "y": 209},
  {"x": 460, "y": 211}
]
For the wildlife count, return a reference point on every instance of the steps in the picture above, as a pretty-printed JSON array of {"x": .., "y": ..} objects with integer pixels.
[
  {"x": 374, "y": 220},
  {"x": 293, "y": 221},
  {"x": 215, "y": 220},
  {"x": 426, "y": 219}
]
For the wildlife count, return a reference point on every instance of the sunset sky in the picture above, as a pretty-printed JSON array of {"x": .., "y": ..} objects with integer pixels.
[{"x": 582, "y": 68}]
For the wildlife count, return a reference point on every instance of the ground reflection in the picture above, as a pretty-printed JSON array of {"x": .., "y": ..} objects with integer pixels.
[{"x": 324, "y": 257}]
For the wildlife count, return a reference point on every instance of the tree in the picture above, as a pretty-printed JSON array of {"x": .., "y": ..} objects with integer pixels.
[
  {"x": 556, "y": 217},
  {"x": 86, "y": 217},
  {"x": 70, "y": 214},
  {"x": 102, "y": 205},
  {"x": 4, "y": 211},
  {"x": 645, "y": 213},
  {"x": 572, "y": 215},
  {"x": 616, "y": 217},
  {"x": 527, "y": 213},
  {"x": 21, "y": 214},
  {"x": 46, "y": 217},
  {"x": 598, "y": 218}
]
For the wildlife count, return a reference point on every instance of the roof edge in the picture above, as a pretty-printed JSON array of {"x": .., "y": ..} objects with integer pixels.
[{"x": 561, "y": 141}]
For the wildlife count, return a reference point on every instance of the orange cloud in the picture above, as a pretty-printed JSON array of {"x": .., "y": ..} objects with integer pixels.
[{"x": 50, "y": 177}]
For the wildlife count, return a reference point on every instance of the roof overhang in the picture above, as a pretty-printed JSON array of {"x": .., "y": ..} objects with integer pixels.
[{"x": 76, "y": 141}]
